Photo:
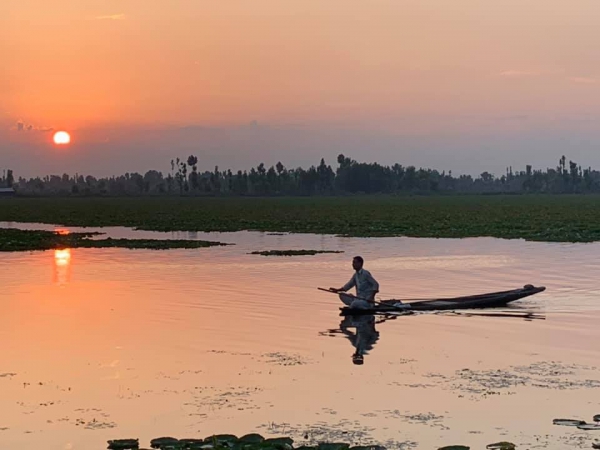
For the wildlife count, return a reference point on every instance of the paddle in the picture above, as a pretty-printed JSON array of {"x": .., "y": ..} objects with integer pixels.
[
  {"x": 399, "y": 308},
  {"x": 334, "y": 292}
]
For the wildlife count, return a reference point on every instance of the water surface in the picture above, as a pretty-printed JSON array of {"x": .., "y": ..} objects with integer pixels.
[{"x": 111, "y": 343}]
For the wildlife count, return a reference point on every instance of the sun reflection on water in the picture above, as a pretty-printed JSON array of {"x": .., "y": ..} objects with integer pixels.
[{"x": 62, "y": 266}]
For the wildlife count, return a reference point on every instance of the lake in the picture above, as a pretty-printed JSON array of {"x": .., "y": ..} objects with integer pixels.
[{"x": 100, "y": 344}]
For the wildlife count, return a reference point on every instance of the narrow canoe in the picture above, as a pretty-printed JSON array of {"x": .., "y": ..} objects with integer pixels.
[{"x": 490, "y": 300}]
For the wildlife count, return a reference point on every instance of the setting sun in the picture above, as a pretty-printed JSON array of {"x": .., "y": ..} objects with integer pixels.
[{"x": 61, "y": 138}]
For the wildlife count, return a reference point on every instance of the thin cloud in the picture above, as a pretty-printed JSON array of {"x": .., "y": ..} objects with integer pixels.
[
  {"x": 517, "y": 73},
  {"x": 21, "y": 126},
  {"x": 112, "y": 17},
  {"x": 583, "y": 80}
]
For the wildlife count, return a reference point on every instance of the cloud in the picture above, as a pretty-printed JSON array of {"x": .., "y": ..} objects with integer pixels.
[
  {"x": 112, "y": 17},
  {"x": 517, "y": 73},
  {"x": 584, "y": 80},
  {"x": 21, "y": 126}
]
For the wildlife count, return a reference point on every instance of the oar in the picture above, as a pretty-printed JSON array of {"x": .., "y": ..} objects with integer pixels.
[
  {"x": 334, "y": 292},
  {"x": 361, "y": 298}
]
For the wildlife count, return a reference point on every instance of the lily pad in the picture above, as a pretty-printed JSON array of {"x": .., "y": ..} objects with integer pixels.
[
  {"x": 333, "y": 446},
  {"x": 455, "y": 447},
  {"x": 281, "y": 443},
  {"x": 568, "y": 422},
  {"x": 252, "y": 438},
  {"x": 192, "y": 444},
  {"x": 124, "y": 444},
  {"x": 589, "y": 426},
  {"x": 501, "y": 446},
  {"x": 164, "y": 442},
  {"x": 293, "y": 252},
  {"x": 368, "y": 447},
  {"x": 228, "y": 439}
]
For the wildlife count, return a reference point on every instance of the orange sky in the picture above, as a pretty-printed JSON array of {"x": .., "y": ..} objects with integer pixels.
[{"x": 395, "y": 67}]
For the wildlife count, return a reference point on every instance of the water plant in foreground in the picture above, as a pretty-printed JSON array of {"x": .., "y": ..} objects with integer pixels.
[{"x": 255, "y": 441}]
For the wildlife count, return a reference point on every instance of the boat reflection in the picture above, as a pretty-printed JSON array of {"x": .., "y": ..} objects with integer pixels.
[{"x": 364, "y": 336}]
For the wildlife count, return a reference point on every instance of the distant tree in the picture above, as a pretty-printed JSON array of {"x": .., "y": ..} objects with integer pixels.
[
  {"x": 487, "y": 177},
  {"x": 280, "y": 168},
  {"x": 193, "y": 163},
  {"x": 350, "y": 176}
]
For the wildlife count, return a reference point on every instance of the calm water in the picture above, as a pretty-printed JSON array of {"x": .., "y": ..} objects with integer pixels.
[{"x": 112, "y": 343}]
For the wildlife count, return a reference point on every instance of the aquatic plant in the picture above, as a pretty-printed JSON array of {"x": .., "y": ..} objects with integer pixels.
[
  {"x": 292, "y": 252},
  {"x": 231, "y": 442},
  {"x": 12, "y": 240},
  {"x": 560, "y": 218}
]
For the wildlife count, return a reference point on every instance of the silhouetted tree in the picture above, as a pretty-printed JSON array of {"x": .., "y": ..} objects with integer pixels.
[{"x": 193, "y": 163}]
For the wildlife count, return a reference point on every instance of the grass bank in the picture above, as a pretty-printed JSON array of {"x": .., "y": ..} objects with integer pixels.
[{"x": 558, "y": 218}]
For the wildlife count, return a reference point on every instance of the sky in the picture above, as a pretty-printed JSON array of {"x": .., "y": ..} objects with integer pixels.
[{"x": 463, "y": 85}]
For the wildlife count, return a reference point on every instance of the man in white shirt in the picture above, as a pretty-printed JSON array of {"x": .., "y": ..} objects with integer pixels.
[{"x": 366, "y": 287}]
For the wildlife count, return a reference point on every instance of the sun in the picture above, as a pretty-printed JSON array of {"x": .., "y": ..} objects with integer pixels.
[{"x": 62, "y": 138}]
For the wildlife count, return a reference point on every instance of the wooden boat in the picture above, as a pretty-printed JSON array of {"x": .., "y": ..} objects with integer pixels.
[{"x": 491, "y": 300}]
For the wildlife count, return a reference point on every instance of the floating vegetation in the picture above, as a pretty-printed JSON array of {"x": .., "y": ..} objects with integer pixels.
[
  {"x": 336, "y": 446},
  {"x": 163, "y": 442},
  {"x": 568, "y": 422},
  {"x": 230, "y": 442},
  {"x": 13, "y": 240},
  {"x": 123, "y": 444},
  {"x": 552, "y": 218},
  {"x": 222, "y": 439},
  {"x": 284, "y": 359},
  {"x": 589, "y": 426},
  {"x": 252, "y": 438},
  {"x": 430, "y": 419},
  {"x": 192, "y": 444},
  {"x": 293, "y": 252},
  {"x": 544, "y": 375},
  {"x": 501, "y": 446}
]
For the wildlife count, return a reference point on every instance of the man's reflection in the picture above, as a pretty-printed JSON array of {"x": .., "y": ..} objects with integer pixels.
[{"x": 364, "y": 338}]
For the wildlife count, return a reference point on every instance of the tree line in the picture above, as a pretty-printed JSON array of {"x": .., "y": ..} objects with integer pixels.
[{"x": 349, "y": 177}]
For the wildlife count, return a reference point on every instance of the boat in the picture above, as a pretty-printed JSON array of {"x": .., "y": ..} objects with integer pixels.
[{"x": 490, "y": 300}]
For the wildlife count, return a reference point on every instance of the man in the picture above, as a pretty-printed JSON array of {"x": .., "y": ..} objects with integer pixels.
[{"x": 366, "y": 287}]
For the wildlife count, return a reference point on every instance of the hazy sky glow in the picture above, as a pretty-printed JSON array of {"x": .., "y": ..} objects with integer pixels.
[{"x": 467, "y": 85}]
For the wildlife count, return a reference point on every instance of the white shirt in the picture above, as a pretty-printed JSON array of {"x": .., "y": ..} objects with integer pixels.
[{"x": 364, "y": 282}]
